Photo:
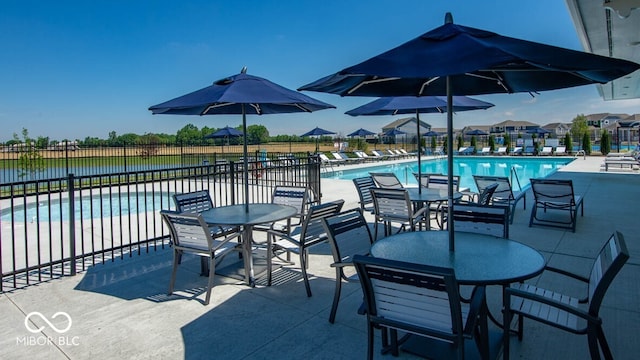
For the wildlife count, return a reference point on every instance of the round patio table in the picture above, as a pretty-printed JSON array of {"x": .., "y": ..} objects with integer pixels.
[
  {"x": 477, "y": 260},
  {"x": 235, "y": 215}
]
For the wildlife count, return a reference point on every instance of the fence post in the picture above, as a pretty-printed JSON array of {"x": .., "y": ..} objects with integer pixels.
[
  {"x": 232, "y": 176},
  {"x": 72, "y": 223}
]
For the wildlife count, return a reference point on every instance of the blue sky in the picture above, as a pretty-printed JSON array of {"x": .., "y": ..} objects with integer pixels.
[{"x": 72, "y": 69}]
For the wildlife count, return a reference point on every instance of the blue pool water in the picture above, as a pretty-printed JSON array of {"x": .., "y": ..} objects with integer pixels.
[
  {"x": 95, "y": 207},
  {"x": 525, "y": 168}
]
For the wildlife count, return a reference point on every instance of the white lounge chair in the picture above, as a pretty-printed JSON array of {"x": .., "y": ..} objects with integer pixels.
[
  {"x": 485, "y": 151},
  {"x": 501, "y": 151},
  {"x": 546, "y": 150},
  {"x": 561, "y": 150}
]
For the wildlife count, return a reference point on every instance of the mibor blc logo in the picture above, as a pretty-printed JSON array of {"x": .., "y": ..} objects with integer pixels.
[{"x": 60, "y": 323}]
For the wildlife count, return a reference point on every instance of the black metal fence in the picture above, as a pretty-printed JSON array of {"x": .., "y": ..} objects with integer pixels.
[{"x": 55, "y": 227}]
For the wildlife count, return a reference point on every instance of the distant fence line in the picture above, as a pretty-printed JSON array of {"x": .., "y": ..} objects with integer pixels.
[{"x": 54, "y": 227}]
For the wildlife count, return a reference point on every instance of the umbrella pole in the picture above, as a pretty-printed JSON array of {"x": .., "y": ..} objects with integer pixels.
[
  {"x": 419, "y": 153},
  {"x": 450, "y": 165},
  {"x": 246, "y": 161}
]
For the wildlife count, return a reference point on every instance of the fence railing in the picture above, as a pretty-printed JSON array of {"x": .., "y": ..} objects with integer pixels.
[{"x": 55, "y": 227}]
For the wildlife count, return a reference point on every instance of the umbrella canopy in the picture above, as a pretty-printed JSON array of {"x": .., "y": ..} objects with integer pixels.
[
  {"x": 317, "y": 132},
  {"x": 417, "y": 105},
  {"x": 224, "y": 132},
  {"x": 241, "y": 94},
  {"x": 361, "y": 132},
  {"x": 476, "y": 132},
  {"x": 431, "y": 133},
  {"x": 458, "y": 60}
]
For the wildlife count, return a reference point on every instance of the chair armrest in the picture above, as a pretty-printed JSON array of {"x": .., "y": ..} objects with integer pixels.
[
  {"x": 341, "y": 264},
  {"x": 419, "y": 213},
  {"x": 475, "y": 308},
  {"x": 566, "y": 273},
  {"x": 551, "y": 302},
  {"x": 283, "y": 235}
]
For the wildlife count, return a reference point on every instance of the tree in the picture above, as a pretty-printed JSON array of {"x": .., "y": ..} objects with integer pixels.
[
  {"x": 30, "y": 160},
  {"x": 433, "y": 144},
  {"x": 148, "y": 145},
  {"x": 257, "y": 134},
  {"x": 507, "y": 141},
  {"x": 586, "y": 143},
  {"x": 492, "y": 143},
  {"x": 189, "y": 135},
  {"x": 474, "y": 145},
  {"x": 579, "y": 127},
  {"x": 460, "y": 141},
  {"x": 445, "y": 146},
  {"x": 567, "y": 142},
  {"x": 605, "y": 143}
]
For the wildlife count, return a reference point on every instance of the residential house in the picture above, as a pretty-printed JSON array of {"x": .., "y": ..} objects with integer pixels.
[
  {"x": 409, "y": 126},
  {"x": 558, "y": 129}
]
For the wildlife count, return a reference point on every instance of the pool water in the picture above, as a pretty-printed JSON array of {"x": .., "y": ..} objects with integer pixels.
[
  {"x": 94, "y": 207},
  {"x": 524, "y": 167}
]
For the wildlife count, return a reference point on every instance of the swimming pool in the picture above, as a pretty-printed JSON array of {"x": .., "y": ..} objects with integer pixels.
[
  {"x": 525, "y": 168},
  {"x": 94, "y": 207}
]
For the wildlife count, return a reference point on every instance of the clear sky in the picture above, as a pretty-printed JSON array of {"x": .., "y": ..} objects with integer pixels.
[{"x": 72, "y": 69}]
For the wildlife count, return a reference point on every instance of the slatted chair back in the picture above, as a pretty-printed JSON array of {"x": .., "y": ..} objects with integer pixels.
[
  {"x": 418, "y": 299},
  {"x": 386, "y": 180},
  {"x": 441, "y": 181},
  {"x": 363, "y": 186},
  {"x": 296, "y": 196},
  {"x": 481, "y": 219},
  {"x": 613, "y": 255},
  {"x": 193, "y": 202},
  {"x": 348, "y": 234},
  {"x": 312, "y": 231},
  {"x": 487, "y": 194},
  {"x": 391, "y": 204}
]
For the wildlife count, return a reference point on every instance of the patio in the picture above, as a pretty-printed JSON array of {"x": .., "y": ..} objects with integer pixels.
[{"x": 120, "y": 309}]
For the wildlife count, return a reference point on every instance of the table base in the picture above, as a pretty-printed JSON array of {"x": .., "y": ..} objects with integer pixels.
[{"x": 233, "y": 267}]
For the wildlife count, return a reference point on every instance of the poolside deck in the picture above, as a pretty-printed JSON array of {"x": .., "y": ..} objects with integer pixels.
[{"x": 121, "y": 309}]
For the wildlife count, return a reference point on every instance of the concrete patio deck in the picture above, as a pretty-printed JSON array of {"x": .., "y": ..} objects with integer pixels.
[{"x": 120, "y": 309}]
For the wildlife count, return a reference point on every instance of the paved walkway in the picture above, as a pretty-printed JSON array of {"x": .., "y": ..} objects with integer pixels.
[{"x": 121, "y": 310}]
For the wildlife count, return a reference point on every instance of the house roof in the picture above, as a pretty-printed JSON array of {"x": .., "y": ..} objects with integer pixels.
[
  {"x": 514, "y": 123},
  {"x": 404, "y": 121},
  {"x": 556, "y": 125}
]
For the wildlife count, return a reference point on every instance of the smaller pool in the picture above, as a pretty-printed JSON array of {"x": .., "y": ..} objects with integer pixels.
[
  {"x": 466, "y": 166},
  {"x": 94, "y": 207}
]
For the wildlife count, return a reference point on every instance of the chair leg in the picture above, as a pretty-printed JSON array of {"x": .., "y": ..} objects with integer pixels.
[
  {"x": 506, "y": 331},
  {"x": 592, "y": 338},
  {"x": 177, "y": 258},
  {"x": 375, "y": 230},
  {"x": 336, "y": 296},
  {"x": 369, "y": 340},
  {"x": 212, "y": 272},
  {"x": 604, "y": 344},
  {"x": 270, "y": 239},
  {"x": 303, "y": 267}
]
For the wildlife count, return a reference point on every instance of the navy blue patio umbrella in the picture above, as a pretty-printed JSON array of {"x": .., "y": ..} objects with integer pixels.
[
  {"x": 241, "y": 94},
  {"x": 317, "y": 132},
  {"x": 458, "y": 60},
  {"x": 431, "y": 133},
  {"x": 417, "y": 104},
  {"x": 394, "y": 132},
  {"x": 226, "y": 132},
  {"x": 476, "y": 132},
  {"x": 361, "y": 133}
]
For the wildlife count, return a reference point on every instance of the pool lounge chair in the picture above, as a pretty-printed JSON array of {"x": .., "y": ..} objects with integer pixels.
[
  {"x": 386, "y": 180},
  {"x": 379, "y": 155},
  {"x": 504, "y": 194},
  {"x": 462, "y": 150},
  {"x": 517, "y": 150},
  {"x": 501, "y": 151},
  {"x": 561, "y": 150},
  {"x": 485, "y": 151},
  {"x": 546, "y": 150},
  {"x": 529, "y": 150},
  {"x": 557, "y": 195}
]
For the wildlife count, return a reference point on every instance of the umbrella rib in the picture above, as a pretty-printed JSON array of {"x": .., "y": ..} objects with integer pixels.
[
  {"x": 257, "y": 108},
  {"x": 497, "y": 79},
  {"x": 373, "y": 81},
  {"x": 216, "y": 105},
  {"x": 427, "y": 83}
]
